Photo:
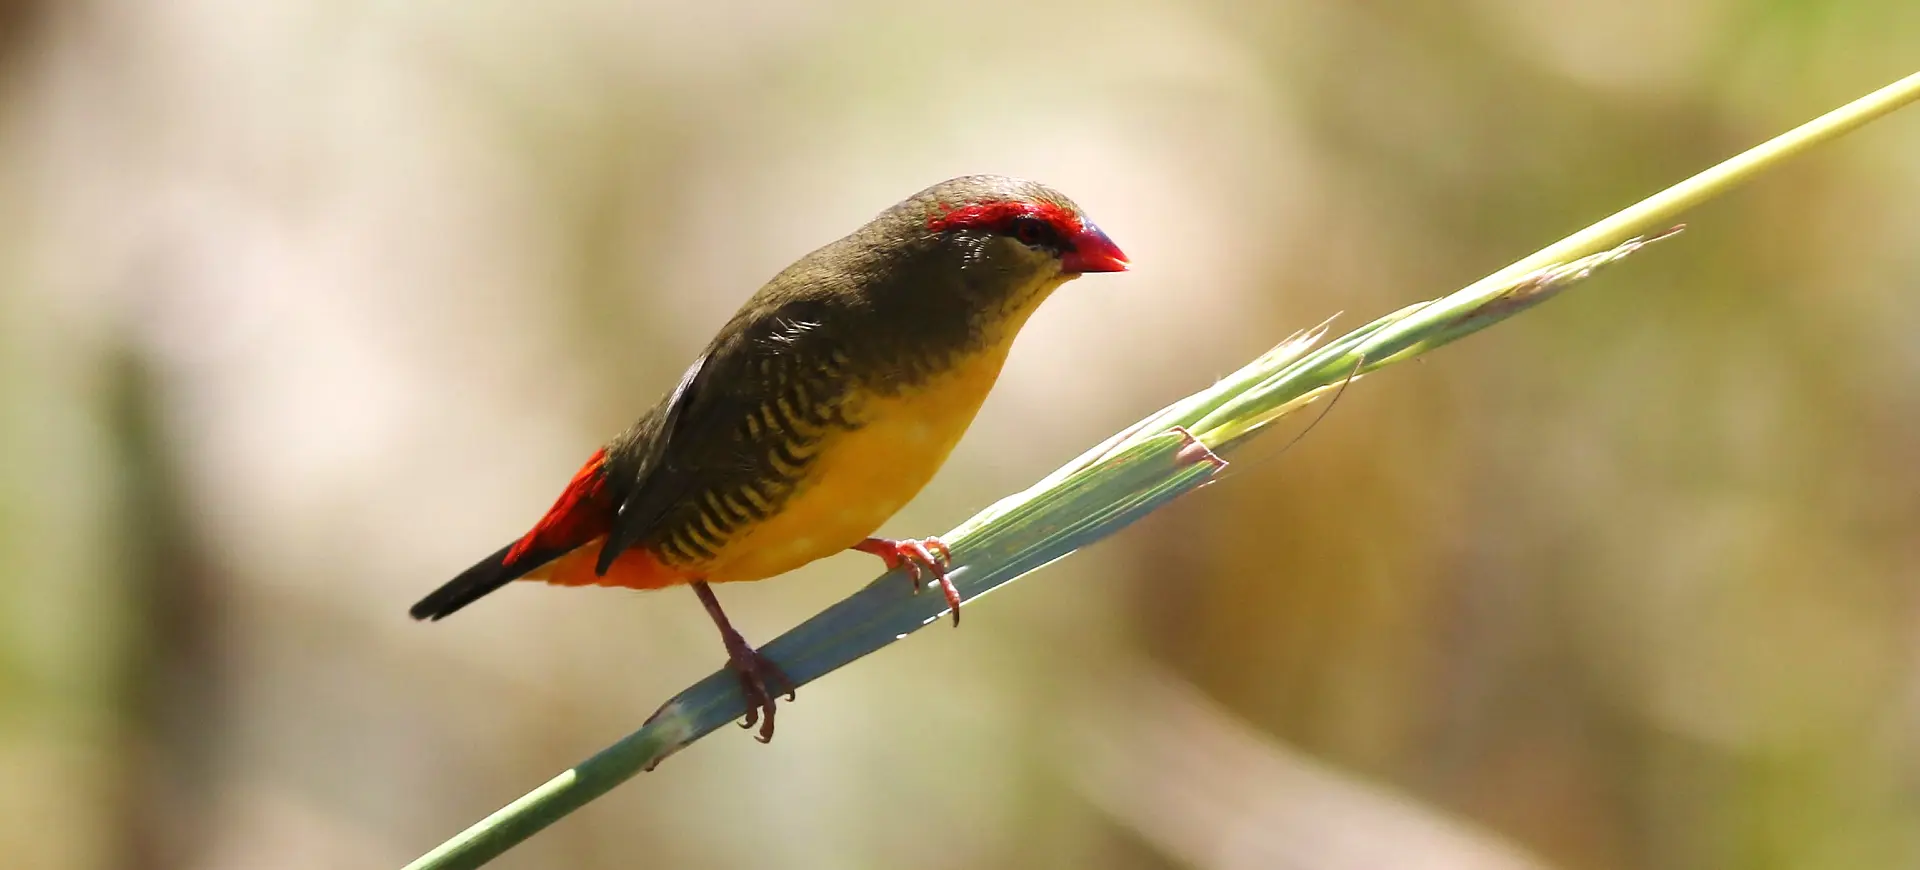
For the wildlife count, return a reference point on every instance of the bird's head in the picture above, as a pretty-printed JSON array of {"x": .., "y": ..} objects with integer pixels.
[
  {"x": 968, "y": 253},
  {"x": 1013, "y": 225},
  {"x": 984, "y": 245}
]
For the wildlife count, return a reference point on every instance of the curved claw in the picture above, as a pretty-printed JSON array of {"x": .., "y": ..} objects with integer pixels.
[
  {"x": 758, "y": 675},
  {"x": 755, "y": 671},
  {"x": 920, "y": 557}
]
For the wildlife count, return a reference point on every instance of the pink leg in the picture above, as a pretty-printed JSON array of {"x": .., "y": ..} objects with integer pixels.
[
  {"x": 922, "y": 557},
  {"x": 757, "y": 673}
]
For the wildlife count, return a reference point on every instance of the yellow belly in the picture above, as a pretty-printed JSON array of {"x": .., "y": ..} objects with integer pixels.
[{"x": 862, "y": 477}]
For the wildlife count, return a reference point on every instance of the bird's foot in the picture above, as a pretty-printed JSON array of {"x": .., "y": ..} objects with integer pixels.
[
  {"x": 759, "y": 676},
  {"x": 926, "y": 561},
  {"x": 760, "y": 680}
]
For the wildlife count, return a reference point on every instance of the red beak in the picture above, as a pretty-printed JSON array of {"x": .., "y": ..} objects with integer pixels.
[{"x": 1093, "y": 252}]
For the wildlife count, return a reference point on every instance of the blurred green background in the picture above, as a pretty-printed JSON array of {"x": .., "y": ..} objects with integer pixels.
[{"x": 306, "y": 304}]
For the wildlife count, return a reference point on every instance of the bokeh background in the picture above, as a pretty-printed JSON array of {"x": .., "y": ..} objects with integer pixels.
[{"x": 306, "y": 304}]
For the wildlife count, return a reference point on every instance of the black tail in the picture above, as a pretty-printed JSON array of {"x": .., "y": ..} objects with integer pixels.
[{"x": 474, "y": 583}]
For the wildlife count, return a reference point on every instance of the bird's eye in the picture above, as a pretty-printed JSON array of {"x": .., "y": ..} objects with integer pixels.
[{"x": 1032, "y": 231}]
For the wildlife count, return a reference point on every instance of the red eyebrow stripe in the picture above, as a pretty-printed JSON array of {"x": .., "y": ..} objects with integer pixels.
[{"x": 997, "y": 215}]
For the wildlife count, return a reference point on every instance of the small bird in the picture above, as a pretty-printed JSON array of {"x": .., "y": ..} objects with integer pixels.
[{"x": 824, "y": 405}]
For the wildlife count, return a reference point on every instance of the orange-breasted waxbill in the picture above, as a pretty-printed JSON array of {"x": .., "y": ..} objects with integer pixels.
[{"x": 821, "y": 408}]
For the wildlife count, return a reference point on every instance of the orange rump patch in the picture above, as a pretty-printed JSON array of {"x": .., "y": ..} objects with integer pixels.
[{"x": 635, "y": 569}]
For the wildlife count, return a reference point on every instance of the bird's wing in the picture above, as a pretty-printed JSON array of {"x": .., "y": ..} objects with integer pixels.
[
  {"x": 701, "y": 434},
  {"x": 640, "y": 510}
]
